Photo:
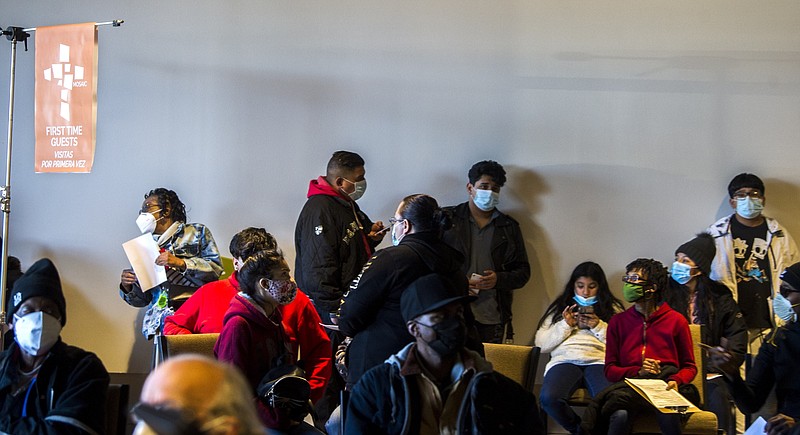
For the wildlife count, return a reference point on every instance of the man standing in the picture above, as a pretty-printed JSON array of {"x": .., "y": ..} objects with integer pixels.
[
  {"x": 752, "y": 250},
  {"x": 491, "y": 241},
  {"x": 436, "y": 385},
  {"x": 333, "y": 240},
  {"x": 46, "y": 386},
  {"x": 333, "y": 237}
]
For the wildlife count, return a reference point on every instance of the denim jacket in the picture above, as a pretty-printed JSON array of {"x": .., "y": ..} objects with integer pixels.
[{"x": 194, "y": 244}]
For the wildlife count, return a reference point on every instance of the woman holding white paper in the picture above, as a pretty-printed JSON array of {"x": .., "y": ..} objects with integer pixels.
[{"x": 188, "y": 252}]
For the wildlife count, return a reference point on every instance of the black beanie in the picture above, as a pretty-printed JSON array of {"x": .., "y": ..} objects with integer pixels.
[
  {"x": 701, "y": 250},
  {"x": 791, "y": 276},
  {"x": 41, "y": 279}
]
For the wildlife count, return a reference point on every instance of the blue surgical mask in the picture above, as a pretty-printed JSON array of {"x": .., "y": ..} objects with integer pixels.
[
  {"x": 485, "y": 199},
  {"x": 395, "y": 239},
  {"x": 783, "y": 309},
  {"x": 585, "y": 302},
  {"x": 681, "y": 273},
  {"x": 749, "y": 208}
]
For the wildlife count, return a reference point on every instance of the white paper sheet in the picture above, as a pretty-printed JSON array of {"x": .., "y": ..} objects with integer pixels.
[
  {"x": 757, "y": 428},
  {"x": 142, "y": 253},
  {"x": 655, "y": 391}
]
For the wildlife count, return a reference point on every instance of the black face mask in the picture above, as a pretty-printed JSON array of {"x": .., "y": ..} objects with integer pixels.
[{"x": 451, "y": 334}]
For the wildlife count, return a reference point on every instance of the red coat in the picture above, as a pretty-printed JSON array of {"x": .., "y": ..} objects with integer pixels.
[
  {"x": 203, "y": 313},
  {"x": 667, "y": 339}
]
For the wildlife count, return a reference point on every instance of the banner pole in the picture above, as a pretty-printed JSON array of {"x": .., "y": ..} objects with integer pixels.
[
  {"x": 14, "y": 34},
  {"x": 113, "y": 23}
]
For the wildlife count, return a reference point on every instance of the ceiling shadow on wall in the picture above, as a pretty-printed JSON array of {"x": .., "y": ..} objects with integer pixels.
[{"x": 527, "y": 187}]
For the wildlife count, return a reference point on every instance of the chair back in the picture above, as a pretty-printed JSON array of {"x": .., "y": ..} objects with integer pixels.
[
  {"x": 116, "y": 409},
  {"x": 202, "y": 344},
  {"x": 514, "y": 361},
  {"x": 227, "y": 267},
  {"x": 699, "y": 360}
]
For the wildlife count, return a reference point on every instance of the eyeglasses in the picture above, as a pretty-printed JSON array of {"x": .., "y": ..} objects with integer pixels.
[
  {"x": 148, "y": 210},
  {"x": 785, "y": 289},
  {"x": 393, "y": 220},
  {"x": 633, "y": 278},
  {"x": 752, "y": 194}
]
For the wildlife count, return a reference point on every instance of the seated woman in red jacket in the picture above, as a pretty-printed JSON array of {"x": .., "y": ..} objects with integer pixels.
[
  {"x": 252, "y": 336},
  {"x": 648, "y": 340}
]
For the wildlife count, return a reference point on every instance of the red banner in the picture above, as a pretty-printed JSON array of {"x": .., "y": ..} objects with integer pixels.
[{"x": 66, "y": 97}]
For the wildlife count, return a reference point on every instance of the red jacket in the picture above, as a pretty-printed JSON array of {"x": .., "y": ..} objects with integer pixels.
[
  {"x": 667, "y": 338},
  {"x": 204, "y": 311}
]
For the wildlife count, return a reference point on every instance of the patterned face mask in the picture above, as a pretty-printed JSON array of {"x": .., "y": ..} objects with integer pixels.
[{"x": 282, "y": 291}]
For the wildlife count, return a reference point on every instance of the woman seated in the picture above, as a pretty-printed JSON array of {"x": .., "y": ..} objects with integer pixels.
[
  {"x": 705, "y": 302},
  {"x": 253, "y": 338},
  {"x": 573, "y": 331},
  {"x": 188, "y": 251}
]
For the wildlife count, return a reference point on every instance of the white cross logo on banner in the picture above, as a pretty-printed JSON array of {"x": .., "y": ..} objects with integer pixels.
[{"x": 63, "y": 72}]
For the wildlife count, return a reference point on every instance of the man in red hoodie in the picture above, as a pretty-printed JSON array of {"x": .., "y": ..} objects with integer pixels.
[
  {"x": 333, "y": 240},
  {"x": 203, "y": 312},
  {"x": 333, "y": 237}
]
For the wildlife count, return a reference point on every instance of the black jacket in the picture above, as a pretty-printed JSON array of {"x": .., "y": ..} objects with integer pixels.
[
  {"x": 508, "y": 253},
  {"x": 724, "y": 318},
  {"x": 371, "y": 309},
  {"x": 387, "y": 401},
  {"x": 331, "y": 246},
  {"x": 68, "y": 396},
  {"x": 775, "y": 365}
]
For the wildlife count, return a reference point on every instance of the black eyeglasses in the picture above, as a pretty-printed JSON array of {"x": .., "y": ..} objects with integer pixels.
[
  {"x": 753, "y": 194},
  {"x": 165, "y": 420},
  {"x": 634, "y": 278},
  {"x": 393, "y": 221}
]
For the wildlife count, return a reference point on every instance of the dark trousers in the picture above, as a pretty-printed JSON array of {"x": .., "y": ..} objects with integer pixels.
[
  {"x": 330, "y": 398},
  {"x": 490, "y": 333},
  {"x": 560, "y": 383}
]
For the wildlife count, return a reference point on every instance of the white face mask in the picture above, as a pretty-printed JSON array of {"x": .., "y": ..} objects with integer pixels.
[
  {"x": 36, "y": 332},
  {"x": 146, "y": 222},
  {"x": 361, "y": 187}
]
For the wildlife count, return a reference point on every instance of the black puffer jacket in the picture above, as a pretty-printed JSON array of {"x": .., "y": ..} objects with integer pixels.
[
  {"x": 331, "y": 246},
  {"x": 370, "y": 312}
]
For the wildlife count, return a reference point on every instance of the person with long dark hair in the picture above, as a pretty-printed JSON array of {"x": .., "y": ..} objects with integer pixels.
[
  {"x": 703, "y": 301},
  {"x": 573, "y": 331}
]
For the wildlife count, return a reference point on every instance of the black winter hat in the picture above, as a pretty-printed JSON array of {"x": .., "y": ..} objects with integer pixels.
[
  {"x": 701, "y": 250},
  {"x": 429, "y": 293},
  {"x": 791, "y": 276},
  {"x": 41, "y": 279}
]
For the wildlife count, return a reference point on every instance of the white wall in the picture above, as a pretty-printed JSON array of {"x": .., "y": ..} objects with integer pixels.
[{"x": 620, "y": 124}]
